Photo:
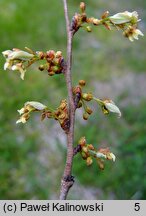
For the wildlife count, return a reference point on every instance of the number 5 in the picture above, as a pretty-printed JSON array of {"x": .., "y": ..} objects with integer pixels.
[{"x": 137, "y": 207}]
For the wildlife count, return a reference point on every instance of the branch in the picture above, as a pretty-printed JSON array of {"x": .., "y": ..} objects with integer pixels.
[{"x": 67, "y": 179}]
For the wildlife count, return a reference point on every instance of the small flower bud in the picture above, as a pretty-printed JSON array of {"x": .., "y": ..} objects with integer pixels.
[
  {"x": 77, "y": 90},
  {"x": 84, "y": 155},
  {"x": 105, "y": 14},
  {"x": 89, "y": 161},
  {"x": 41, "y": 55},
  {"x": 88, "y": 110},
  {"x": 82, "y": 83},
  {"x": 82, "y": 7},
  {"x": 50, "y": 54},
  {"x": 58, "y": 54},
  {"x": 55, "y": 68},
  {"x": 85, "y": 116},
  {"x": 85, "y": 149},
  {"x": 62, "y": 116},
  {"x": 41, "y": 67},
  {"x": 100, "y": 164},
  {"x": 89, "y": 29},
  {"x": 79, "y": 104},
  {"x": 51, "y": 73},
  {"x": 56, "y": 61},
  {"x": 82, "y": 141},
  {"x": 87, "y": 96},
  {"x": 90, "y": 147},
  {"x": 63, "y": 104}
]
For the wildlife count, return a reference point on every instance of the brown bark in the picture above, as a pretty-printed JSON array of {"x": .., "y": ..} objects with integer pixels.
[{"x": 67, "y": 179}]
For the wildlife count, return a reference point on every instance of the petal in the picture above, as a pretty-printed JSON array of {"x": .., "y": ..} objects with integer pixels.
[
  {"x": 120, "y": 18},
  {"x": 113, "y": 156},
  {"x": 21, "y": 111},
  {"x": 100, "y": 155},
  {"x": 21, "y": 120},
  {"x": 6, "y": 53},
  {"x": 135, "y": 14},
  {"x": 138, "y": 32},
  {"x": 20, "y": 69},
  {"x": 113, "y": 108},
  {"x": 22, "y": 55},
  {"x": 135, "y": 36},
  {"x": 36, "y": 105},
  {"x": 131, "y": 38},
  {"x": 22, "y": 73},
  {"x": 6, "y": 65},
  {"x": 18, "y": 121}
]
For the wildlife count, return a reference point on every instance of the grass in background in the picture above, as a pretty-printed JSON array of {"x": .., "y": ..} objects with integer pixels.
[{"x": 97, "y": 56}]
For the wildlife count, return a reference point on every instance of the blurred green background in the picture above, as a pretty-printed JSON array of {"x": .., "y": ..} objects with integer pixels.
[{"x": 32, "y": 156}]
